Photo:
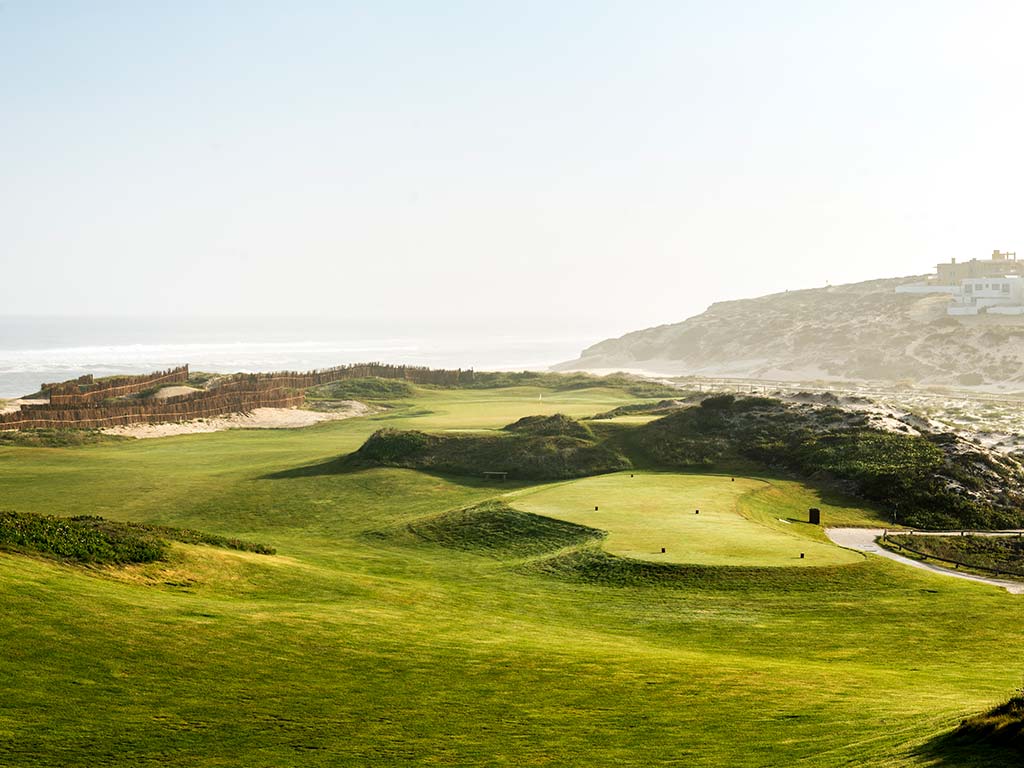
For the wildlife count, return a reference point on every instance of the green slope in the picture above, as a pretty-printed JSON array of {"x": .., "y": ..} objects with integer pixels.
[{"x": 352, "y": 648}]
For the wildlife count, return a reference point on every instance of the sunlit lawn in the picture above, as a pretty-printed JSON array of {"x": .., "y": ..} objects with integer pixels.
[{"x": 354, "y": 648}]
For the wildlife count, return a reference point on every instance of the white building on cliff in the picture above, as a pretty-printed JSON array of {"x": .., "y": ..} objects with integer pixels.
[{"x": 992, "y": 286}]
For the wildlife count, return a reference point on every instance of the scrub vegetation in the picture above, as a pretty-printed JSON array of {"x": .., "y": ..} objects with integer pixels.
[
  {"x": 91, "y": 539},
  {"x": 930, "y": 480},
  {"x": 533, "y": 448},
  {"x": 1004, "y": 554}
]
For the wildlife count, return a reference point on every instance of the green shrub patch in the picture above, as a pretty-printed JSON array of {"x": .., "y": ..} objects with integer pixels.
[{"x": 89, "y": 539}]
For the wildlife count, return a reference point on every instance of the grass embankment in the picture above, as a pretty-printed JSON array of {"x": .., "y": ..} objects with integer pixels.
[
  {"x": 561, "y": 382},
  {"x": 90, "y": 539},
  {"x": 496, "y": 529},
  {"x": 533, "y": 448},
  {"x": 355, "y": 649},
  {"x": 1002, "y": 725}
]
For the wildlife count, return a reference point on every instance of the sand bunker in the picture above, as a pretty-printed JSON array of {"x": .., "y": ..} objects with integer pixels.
[{"x": 259, "y": 418}]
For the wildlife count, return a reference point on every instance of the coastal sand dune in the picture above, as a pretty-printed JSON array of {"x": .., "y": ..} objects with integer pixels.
[{"x": 258, "y": 418}]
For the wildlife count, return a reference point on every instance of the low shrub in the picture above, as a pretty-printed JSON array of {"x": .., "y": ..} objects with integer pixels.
[
  {"x": 91, "y": 539},
  {"x": 1002, "y": 725},
  {"x": 77, "y": 539},
  {"x": 998, "y": 553},
  {"x": 55, "y": 438}
]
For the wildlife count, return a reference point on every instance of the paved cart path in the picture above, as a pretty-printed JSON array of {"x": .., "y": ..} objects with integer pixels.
[{"x": 865, "y": 540}]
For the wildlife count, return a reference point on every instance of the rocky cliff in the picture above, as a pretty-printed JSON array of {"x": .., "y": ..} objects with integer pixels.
[{"x": 857, "y": 332}]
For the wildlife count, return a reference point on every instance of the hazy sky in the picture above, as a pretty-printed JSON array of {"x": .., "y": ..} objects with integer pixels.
[{"x": 620, "y": 163}]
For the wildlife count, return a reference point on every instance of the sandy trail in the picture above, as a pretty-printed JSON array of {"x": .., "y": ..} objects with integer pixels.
[
  {"x": 258, "y": 418},
  {"x": 865, "y": 540}
]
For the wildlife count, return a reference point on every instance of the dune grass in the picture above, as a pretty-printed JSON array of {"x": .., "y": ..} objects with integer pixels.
[{"x": 352, "y": 648}]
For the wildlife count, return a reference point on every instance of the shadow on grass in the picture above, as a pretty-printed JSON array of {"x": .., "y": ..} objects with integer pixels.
[
  {"x": 957, "y": 750},
  {"x": 347, "y": 465},
  {"x": 342, "y": 465},
  {"x": 593, "y": 565}
]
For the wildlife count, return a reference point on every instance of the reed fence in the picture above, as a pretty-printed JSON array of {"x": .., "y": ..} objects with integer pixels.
[
  {"x": 301, "y": 380},
  {"x": 80, "y": 392},
  {"x": 84, "y": 403},
  {"x": 197, "y": 405}
]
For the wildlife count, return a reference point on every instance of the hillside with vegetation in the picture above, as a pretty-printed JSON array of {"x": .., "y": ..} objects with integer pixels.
[
  {"x": 856, "y": 332},
  {"x": 919, "y": 477},
  {"x": 922, "y": 478},
  {"x": 414, "y": 618}
]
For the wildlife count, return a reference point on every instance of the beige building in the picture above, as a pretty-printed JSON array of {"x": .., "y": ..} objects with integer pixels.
[
  {"x": 992, "y": 286},
  {"x": 1001, "y": 264}
]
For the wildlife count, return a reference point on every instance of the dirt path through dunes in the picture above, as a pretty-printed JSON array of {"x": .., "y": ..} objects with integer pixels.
[
  {"x": 865, "y": 540},
  {"x": 258, "y": 418}
]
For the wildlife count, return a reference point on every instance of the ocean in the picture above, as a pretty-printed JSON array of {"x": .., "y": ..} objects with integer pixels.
[{"x": 34, "y": 350}]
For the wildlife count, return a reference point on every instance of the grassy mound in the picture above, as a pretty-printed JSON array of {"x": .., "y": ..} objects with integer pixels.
[
  {"x": 551, "y": 426},
  {"x": 1003, "y": 725},
  {"x": 660, "y": 408},
  {"x": 370, "y": 388},
  {"x": 633, "y": 385},
  {"x": 592, "y": 565},
  {"x": 496, "y": 529},
  {"x": 930, "y": 481},
  {"x": 88, "y": 539},
  {"x": 522, "y": 456}
]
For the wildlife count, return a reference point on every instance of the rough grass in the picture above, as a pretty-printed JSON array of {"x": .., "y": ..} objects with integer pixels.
[
  {"x": 633, "y": 385},
  {"x": 370, "y": 389},
  {"x": 1002, "y": 726},
  {"x": 1000, "y": 553},
  {"x": 55, "y": 438},
  {"x": 496, "y": 529},
  {"x": 91, "y": 539},
  {"x": 557, "y": 425},
  {"x": 521, "y": 454}
]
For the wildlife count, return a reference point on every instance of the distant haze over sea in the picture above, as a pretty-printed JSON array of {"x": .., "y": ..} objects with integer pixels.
[{"x": 38, "y": 349}]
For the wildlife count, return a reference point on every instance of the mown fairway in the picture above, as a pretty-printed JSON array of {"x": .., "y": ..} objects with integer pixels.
[
  {"x": 361, "y": 644},
  {"x": 695, "y": 518}
]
